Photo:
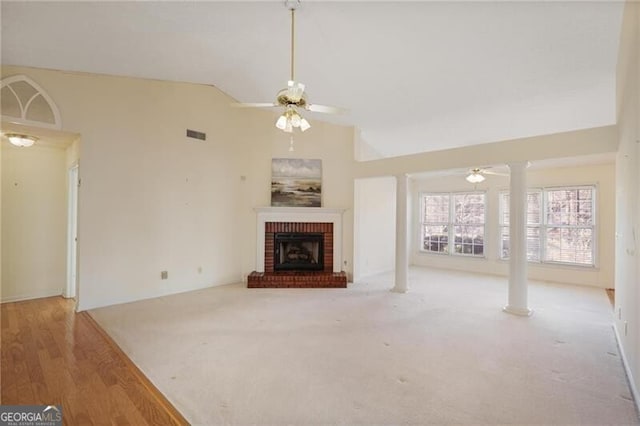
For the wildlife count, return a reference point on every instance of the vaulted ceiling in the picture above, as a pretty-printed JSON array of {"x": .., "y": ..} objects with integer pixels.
[{"x": 415, "y": 76}]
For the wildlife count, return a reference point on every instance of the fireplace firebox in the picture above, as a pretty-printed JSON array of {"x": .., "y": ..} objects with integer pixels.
[{"x": 298, "y": 251}]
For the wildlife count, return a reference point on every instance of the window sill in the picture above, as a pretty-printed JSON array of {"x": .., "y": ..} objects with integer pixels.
[
  {"x": 453, "y": 256},
  {"x": 558, "y": 265}
]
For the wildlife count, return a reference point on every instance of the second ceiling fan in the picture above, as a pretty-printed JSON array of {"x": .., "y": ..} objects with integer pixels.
[
  {"x": 293, "y": 98},
  {"x": 476, "y": 175}
]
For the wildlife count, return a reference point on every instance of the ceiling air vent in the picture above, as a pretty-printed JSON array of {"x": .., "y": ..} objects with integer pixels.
[{"x": 196, "y": 135}]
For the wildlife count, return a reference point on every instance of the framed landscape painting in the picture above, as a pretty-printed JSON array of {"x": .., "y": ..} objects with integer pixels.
[{"x": 296, "y": 182}]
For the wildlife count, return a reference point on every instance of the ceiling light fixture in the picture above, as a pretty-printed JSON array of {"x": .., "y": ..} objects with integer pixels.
[
  {"x": 475, "y": 176},
  {"x": 23, "y": 141},
  {"x": 293, "y": 99},
  {"x": 291, "y": 118}
]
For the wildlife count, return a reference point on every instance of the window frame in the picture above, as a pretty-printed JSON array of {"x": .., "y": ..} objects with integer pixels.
[
  {"x": 537, "y": 226},
  {"x": 544, "y": 225},
  {"x": 451, "y": 224},
  {"x": 594, "y": 225}
]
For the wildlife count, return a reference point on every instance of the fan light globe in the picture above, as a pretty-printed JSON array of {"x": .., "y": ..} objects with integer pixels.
[
  {"x": 475, "y": 177},
  {"x": 282, "y": 122},
  {"x": 290, "y": 120}
]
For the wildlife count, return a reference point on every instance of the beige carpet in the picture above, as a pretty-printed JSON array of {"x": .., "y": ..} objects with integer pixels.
[{"x": 442, "y": 353}]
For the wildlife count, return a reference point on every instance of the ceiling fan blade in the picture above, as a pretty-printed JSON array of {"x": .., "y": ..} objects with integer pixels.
[
  {"x": 325, "y": 109},
  {"x": 254, "y": 105},
  {"x": 488, "y": 172}
]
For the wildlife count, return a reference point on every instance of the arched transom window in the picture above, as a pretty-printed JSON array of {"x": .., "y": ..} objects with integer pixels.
[{"x": 23, "y": 101}]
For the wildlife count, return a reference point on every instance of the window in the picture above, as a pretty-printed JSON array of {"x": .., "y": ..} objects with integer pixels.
[
  {"x": 570, "y": 225},
  {"x": 560, "y": 225},
  {"x": 457, "y": 218},
  {"x": 534, "y": 207},
  {"x": 435, "y": 223}
]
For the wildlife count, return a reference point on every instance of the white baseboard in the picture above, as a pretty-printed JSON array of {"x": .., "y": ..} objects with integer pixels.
[
  {"x": 630, "y": 379},
  {"x": 21, "y": 297}
]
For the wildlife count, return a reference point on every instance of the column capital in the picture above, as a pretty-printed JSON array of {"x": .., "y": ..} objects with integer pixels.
[{"x": 518, "y": 164}]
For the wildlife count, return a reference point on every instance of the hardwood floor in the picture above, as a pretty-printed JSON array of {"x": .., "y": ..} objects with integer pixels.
[
  {"x": 51, "y": 355},
  {"x": 612, "y": 296}
]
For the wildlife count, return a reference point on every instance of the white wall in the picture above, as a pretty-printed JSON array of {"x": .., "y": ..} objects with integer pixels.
[
  {"x": 150, "y": 199},
  {"x": 363, "y": 151},
  {"x": 33, "y": 221},
  {"x": 374, "y": 226},
  {"x": 153, "y": 200},
  {"x": 601, "y": 175},
  {"x": 627, "y": 246}
]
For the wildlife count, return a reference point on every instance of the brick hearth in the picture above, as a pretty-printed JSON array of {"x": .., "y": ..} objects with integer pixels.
[{"x": 297, "y": 280}]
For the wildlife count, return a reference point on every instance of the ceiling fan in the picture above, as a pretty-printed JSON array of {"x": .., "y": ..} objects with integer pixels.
[
  {"x": 293, "y": 98},
  {"x": 476, "y": 175}
]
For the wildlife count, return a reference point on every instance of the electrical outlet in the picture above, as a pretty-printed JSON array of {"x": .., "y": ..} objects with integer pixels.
[
  {"x": 164, "y": 275},
  {"x": 199, "y": 269}
]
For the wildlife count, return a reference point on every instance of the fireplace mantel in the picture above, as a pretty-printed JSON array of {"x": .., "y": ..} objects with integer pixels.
[
  {"x": 300, "y": 214},
  {"x": 298, "y": 210}
]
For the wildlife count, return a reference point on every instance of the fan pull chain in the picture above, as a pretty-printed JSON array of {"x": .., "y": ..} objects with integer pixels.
[{"x": 291, "y": 143}]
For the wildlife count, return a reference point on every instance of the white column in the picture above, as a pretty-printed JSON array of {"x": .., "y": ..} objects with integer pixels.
[
  {"x": 517, "y": 303},
  {"x": 402, "y": 234}
]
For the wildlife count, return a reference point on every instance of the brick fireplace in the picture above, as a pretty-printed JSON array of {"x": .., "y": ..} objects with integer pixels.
[{"x": 298, "y": 247}]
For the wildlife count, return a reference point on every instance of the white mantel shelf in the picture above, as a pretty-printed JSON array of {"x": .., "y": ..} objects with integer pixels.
[
  {"x": 300, "y": 214},
  {"x": 303, "y": 210}
]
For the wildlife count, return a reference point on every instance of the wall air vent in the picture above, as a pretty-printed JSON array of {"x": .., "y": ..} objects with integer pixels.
[{"x": 196, "y": 135}]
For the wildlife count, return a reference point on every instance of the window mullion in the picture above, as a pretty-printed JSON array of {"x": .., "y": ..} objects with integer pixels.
[{"x": 543, "y": 228}]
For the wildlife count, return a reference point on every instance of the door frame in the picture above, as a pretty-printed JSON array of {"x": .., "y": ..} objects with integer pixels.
[{"x": 71, "y": 287}]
